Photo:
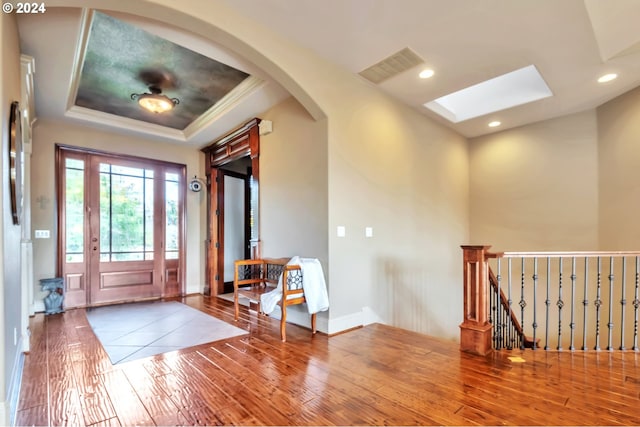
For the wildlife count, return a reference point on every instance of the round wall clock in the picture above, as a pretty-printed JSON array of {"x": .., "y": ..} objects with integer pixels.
[{"x": 15, "y": 161}]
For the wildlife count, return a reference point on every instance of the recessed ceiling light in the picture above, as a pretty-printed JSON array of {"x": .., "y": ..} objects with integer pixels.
[
  {"x": 607, "y": 78},
  {"x": 425, "y": 74},
  {"x": 508, "y": 90},
  {"x": 494, "y": 124}
]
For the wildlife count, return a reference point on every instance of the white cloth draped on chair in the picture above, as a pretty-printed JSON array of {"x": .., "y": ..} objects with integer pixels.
[{"x": 313, "y": 283}]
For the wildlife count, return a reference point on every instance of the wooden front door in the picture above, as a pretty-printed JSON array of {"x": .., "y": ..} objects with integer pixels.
[{"x": 121, "y": 233}]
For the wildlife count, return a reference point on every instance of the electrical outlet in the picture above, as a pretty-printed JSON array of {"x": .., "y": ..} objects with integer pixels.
[{"x": 368, "y": 232}]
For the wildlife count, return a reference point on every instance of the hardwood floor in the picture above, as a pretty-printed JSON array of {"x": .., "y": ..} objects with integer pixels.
[{"x": 372, "y": 376}]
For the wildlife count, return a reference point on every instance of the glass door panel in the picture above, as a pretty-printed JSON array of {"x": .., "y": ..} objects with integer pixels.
[
  {"x": 173, "y": 233},
  {"x": 126, "y": 213},
  {"x": 172, "y": 201},
  {"x": 74, "y": 210}
]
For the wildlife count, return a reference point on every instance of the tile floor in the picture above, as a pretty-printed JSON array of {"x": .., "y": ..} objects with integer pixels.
[{"x": 137, "y": 330}]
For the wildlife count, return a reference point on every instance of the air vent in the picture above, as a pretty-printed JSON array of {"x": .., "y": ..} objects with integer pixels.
[{"x": 392, "y": 66}]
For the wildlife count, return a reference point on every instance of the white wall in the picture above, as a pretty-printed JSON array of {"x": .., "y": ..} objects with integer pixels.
[
  {"x": 293, "y": 191},
  {"x": 619, "y": 183},
  {"x": 535, "y": 188},
  {"x": 10, "y": 235},
  {"x": 405, "y": 176},
  {"x": 47, "y": 133},
  {"x": 293, "y": 184}
]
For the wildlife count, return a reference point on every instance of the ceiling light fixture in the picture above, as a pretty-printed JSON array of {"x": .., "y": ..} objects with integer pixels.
[
  {"x": 607, "y": 78},
  {"x": 494, "y": 124},
  {"x": 155, "y": 101},
  {"x": 426, "y": 73}
]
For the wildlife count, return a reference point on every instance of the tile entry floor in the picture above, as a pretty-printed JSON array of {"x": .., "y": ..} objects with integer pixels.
[{"x": 137, "y": 330}]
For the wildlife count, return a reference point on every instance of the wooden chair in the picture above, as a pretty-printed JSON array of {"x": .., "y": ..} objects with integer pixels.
[{"x": 254, "y": 277}]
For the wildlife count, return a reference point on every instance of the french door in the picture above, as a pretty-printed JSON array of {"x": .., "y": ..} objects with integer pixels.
[{"x": 121, "y": 227}]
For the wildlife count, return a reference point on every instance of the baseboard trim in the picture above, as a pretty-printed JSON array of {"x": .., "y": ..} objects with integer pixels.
[
  {"x": 38, "y": 306},
  {"x": 344, "y": 323},
  {"x": 13, "y": 392},
  {"x": 4, "y": 413}
]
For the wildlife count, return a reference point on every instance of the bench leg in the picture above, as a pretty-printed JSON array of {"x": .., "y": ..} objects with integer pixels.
[
  {"x": 236, "y": 306},
  {"x": 283, "y": 324},
  {"x": 313, "y": 323}
]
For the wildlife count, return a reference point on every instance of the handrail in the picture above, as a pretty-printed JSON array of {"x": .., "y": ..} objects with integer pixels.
[{"x": 553, "y": 254}]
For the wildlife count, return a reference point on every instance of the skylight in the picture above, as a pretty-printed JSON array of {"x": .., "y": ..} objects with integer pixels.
[{"x": 508, "y": 90}]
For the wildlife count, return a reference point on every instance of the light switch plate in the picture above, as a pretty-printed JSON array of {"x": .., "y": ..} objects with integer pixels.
[
  {"x": 342, "y": 231},
  {"x": 42, "y": 234},
  {"x": 368, "y": 232}
]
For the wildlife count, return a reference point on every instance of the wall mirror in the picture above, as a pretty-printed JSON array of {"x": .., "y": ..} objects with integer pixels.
[{"x": 15, "y": 162}]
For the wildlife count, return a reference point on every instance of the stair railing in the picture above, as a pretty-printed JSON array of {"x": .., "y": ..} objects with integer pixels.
[{"x": 585, "y": 294}]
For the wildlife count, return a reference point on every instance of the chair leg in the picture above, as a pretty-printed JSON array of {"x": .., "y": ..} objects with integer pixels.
[
  {"x": 313, "y": 323},
  {"x": 283, "y": 324}
]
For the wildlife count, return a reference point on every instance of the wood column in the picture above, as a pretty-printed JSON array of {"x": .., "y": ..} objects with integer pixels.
[{"x": 475, "y": 329}]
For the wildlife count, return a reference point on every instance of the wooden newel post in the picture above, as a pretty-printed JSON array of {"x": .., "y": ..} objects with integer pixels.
[{"x": 475, "y": 329}]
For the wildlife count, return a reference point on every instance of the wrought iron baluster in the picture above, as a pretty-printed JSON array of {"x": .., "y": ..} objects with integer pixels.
[
  {"x": 522, "y": 304},
  {"x": 493, "y": 314},
  {"x": 585, "y": 303},
  {"x": 502, "y": 320},
  {"x": 547, "y": 302},
  {"x": 560, "y": 304},
  {"x": 500, "y": 325},
  {"x": 623, "y": 302},
  {"x": 610, "y": 323},
  {"x": 572, "y": 325},
  {"x": 598, "y": 303},
  {"x": 509, "y": 301},
  {"x": 636, "y": 304},
  {"x": 535, "y": 296}
]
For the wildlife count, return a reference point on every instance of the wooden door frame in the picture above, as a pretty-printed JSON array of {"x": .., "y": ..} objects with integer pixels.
[
  {"x": 62, "y": 151},
  {"x": 241, "y": 142}
]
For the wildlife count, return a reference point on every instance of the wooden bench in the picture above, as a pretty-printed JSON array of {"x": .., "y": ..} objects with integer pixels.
[{"x": 254, "y": 277}]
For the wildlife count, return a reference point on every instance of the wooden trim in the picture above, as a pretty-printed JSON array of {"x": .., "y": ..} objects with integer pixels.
[
  {"x": 93, "y": 151},
  {"x": 240, "y": 142},
  {"x": 475, "y": 329}
]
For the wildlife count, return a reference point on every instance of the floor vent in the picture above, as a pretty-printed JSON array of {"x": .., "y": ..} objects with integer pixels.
[{"x": 393, "y": 65}]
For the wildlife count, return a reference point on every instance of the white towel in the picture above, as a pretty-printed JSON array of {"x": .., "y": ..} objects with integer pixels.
[{"x": 315, "y": 289}]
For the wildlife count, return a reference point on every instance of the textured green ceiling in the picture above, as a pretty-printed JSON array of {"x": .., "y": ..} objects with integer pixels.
[{"x": 121, "y": 59}]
